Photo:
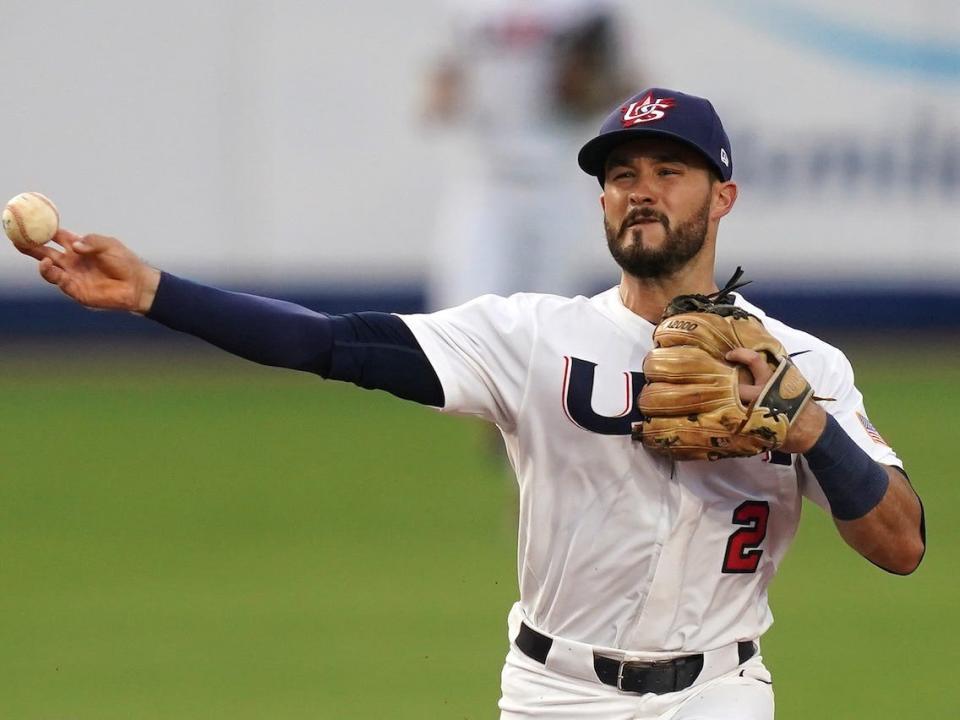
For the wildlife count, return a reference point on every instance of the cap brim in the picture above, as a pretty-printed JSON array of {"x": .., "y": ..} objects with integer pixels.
[{"x": 593, "y": 156}]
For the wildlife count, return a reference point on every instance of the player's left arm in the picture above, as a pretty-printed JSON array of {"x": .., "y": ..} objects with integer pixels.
[
  {"x": 874, "y": 506},
  {"x": 892, "y": 535}
]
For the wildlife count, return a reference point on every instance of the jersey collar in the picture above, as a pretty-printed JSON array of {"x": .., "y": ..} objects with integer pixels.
[
  {"x": 612, "y": 306},
  {"x": 610, "y": 303}
]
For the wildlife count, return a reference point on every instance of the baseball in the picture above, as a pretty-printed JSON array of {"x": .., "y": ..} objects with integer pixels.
[{"x": 30, "y": 219}]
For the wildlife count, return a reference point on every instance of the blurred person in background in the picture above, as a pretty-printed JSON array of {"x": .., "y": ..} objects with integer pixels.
[{"x": 516, "y": 87}]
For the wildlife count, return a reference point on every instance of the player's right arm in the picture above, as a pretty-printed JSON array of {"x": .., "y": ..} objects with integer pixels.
[
  {"x": 97, "y": 271},
  {"x": 470, "y": 360},
  {"x": 371, "y": 350}
]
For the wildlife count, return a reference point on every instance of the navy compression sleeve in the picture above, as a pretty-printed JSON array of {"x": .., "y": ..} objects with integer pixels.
[
  {"x": 372, "y": 350},
  {"x": 853, "y": 482}
]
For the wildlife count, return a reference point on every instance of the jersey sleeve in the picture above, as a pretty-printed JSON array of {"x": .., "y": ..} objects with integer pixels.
[
  {"x": 847, "y": 406},
  {"x": 480, "y": 352}
]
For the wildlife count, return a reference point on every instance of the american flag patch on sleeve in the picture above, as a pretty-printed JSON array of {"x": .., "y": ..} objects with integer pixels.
[{"x": 871, "y": 430}]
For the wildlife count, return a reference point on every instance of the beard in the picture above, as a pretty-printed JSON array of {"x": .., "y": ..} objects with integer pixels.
[{"x": 680, "y": 245}]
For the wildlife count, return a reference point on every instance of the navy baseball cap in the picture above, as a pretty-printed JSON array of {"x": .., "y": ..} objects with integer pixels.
[{"x": 667, "y": 113}]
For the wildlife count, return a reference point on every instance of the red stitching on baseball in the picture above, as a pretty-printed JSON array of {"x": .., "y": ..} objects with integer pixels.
[
  {"x": 46, "y": 200},
  {"x": 24, "y": 235}
]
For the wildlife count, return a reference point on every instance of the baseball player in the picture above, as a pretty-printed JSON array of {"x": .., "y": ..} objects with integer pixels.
[{"x": 650, "y": 522}]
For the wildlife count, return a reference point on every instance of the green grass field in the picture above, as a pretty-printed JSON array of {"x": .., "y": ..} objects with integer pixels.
[{"x": 187, "y": 536}]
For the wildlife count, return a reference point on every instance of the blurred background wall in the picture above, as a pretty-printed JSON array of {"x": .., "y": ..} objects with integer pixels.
[{"x": 279, "y": 146}]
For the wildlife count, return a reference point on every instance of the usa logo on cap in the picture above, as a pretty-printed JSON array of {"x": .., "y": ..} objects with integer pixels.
[{"x": 646, "y": 110}]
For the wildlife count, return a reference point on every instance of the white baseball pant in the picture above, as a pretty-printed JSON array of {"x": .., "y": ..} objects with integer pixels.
[{"x": 531, "y": 689}]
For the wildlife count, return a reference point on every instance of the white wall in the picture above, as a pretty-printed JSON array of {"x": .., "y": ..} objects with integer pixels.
[
  {"x": 218, "y": 138},
  {"x": 227, "y": 140}
]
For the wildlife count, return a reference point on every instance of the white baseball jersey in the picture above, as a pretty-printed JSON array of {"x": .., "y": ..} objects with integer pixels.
[{"x": 620, "y": 548}]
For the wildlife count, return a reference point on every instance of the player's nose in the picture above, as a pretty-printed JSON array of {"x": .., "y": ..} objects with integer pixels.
[
  {"x": 640, "y": 196},
  {"x": 642, "y": 191}
]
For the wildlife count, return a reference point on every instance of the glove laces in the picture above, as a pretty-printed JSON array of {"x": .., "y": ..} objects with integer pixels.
[{"x": 722, "y": 296}]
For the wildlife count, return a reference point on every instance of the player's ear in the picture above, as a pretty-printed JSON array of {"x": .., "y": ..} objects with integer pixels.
[
  {"x": 603, "y": 202},
  {"x": 724, "y": 198}
]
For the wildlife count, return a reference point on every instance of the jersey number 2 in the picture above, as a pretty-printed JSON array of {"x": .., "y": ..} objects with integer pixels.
[{"x": 743, "y": 547}]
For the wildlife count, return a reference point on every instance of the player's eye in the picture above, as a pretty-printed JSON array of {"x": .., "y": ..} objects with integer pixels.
[
  {"x": 621, "y": 174},
  {"x": 668, "y": 171}
]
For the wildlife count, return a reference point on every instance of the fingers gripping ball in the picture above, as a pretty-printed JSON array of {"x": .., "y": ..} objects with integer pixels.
[
  {"x": 691, "y": 403},
  {"x": 30, "y": 219}
]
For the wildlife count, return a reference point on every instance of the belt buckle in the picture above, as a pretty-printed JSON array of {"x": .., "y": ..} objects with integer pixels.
[
  {"x": 644, "y": 665},
  {"x": 620, "y": 675},
  {"x": 624, "y": 663}
]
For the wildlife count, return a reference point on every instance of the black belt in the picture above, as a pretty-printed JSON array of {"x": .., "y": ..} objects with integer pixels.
[{"x": 661, "y": 676}]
